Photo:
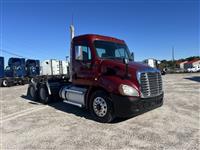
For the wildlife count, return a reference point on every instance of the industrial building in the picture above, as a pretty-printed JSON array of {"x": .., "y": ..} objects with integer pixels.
[{"x": 190, "y": 64}]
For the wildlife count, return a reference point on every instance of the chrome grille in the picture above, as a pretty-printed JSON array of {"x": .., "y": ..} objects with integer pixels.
[{"x": 151, "y": 84}]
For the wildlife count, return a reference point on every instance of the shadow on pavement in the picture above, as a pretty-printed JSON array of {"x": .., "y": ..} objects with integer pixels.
[
  {"x": 62, "y": 106},
  {"x": 194, "y": 78},
  {"x": 80, "y": 112},
  {"x": 30, "y": 100}
]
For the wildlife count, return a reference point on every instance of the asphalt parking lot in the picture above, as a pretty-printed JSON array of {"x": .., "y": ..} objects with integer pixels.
[{"x": 30, "y": 125}]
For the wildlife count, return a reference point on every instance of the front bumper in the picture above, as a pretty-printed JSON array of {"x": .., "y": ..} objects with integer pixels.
[{"x": 129, "y": 106}]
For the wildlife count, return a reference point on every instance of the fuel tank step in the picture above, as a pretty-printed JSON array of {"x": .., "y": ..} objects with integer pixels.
[
  {"x": 72, "y": 103},
  {"x": 73, "y": 95}
]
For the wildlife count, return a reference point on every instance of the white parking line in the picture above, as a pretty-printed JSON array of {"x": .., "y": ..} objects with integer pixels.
[{"x": 21, "y": 113}]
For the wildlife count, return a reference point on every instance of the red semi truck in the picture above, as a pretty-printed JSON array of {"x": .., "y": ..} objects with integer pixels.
[{"x": 104, "y": 79}]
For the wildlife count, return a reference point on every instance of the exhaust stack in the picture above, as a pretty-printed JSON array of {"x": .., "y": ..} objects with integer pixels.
[
  {"x": 71, "y": 32},
  {"x": 71, "y": 38}
]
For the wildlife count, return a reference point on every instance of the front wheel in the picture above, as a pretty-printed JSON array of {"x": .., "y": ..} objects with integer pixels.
[{"x": 101, "y": 107}]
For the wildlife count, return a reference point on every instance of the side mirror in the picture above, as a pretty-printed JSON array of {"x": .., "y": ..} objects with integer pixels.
[
  {"x": 132, "y": 56},
  {"x": 125, "y": 61},
  {"x": 7, "y": 68}
]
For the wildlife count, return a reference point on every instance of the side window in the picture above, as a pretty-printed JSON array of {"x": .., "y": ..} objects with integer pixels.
[{"x": 82, "y": 53}]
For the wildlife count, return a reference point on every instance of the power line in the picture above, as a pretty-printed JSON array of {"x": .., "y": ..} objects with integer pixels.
[{"x": 11, "y": 53}]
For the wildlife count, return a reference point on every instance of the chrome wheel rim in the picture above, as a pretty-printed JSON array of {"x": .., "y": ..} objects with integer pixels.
[
  {"x": 100, "y": 107},
  {"x": 5, "y": 82}
]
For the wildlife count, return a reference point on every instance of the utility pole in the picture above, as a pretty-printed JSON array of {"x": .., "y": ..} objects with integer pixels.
[
  {"x": 173, "y": 61},
  {"x": 173, "y": 53}
]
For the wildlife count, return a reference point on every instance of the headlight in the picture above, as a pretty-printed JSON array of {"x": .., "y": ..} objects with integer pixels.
[{"x": 128, "y": 90}]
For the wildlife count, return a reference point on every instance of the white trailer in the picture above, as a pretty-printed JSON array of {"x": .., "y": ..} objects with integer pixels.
[
  {"x": 53, "y": 67},
  {"x": 64, "y": 67},
  {"x": 152, "y": 62}
]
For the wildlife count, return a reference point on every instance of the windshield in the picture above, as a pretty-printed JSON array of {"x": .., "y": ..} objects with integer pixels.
[{"x": 111, "y": 50}]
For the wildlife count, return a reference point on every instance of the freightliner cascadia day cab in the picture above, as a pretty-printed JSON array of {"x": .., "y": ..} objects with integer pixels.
[{"x": 104, "y": 79}]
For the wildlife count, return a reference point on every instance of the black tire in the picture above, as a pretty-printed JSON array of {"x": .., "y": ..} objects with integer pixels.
[
  {"x": 24, "y": 82},
  {"x": 5, "y": 83},
  {"x": 108, "y": 114},
  {"x": 21, "y": 82},
  {"x": 44, "y": 94},
  {"x": 32, "y": 92},
  {"x": 163, "y": 72}
]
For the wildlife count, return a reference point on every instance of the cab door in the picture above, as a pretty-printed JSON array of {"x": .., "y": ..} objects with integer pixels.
[{"x": 82, "y": 65}]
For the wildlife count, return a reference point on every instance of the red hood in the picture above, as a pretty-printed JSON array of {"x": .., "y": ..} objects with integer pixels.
[
  {"x": 132, "y": 66},
  {"x": 138, "y": 66},
  {"x": 116, "y": 68}
]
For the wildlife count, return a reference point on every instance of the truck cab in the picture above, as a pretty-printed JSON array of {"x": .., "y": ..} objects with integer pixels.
[
  {"x": 14, "y": 73},
  {"x": 105, "y": 79},
  {"x": 32, "y": 67},
  {"x": 15, "y": 68},
  {"x": 1, "y": 67}
]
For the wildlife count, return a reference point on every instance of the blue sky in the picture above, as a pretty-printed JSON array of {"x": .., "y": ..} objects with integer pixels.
[{"x": 40, "y": 28}]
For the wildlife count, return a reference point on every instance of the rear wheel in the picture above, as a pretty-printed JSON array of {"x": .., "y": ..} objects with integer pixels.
[
  {"x": 101, "y": 107},
  {"x": 32, "y": 92},
  {"x": 5, "y": 83},
  {"x": 44, "y": 95}
]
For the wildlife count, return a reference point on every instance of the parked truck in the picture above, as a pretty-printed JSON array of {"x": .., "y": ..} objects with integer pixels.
[
  {"x": 103, "y": 79},
  {"x": 1, "y": 67},
  {"x": 20, "y": 71},
  {"x": 32, "y": 68},
  {"x": 14, "y": 73}
]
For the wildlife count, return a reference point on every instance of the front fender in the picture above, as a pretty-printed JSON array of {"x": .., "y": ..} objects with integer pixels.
[{"x": 111, "y": 83}]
